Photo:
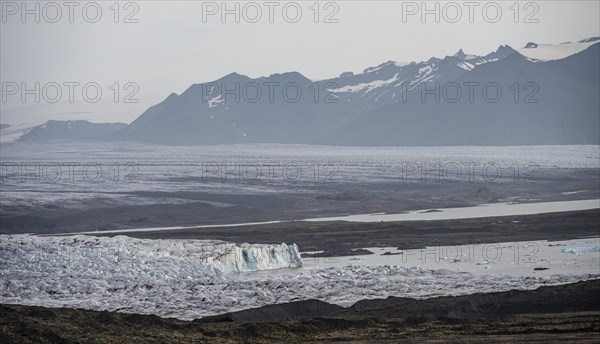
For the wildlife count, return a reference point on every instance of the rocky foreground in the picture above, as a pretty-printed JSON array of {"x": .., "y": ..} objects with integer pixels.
[{"x": 565, "y": 313}]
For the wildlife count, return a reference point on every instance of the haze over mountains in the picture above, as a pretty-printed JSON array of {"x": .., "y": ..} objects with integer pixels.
[
  {"x": 503, "y": 98},
  {"x": 66, "y": 130}
]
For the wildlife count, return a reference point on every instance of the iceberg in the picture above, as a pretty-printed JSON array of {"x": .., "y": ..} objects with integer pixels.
[
  {"x": 580, "y": 250},
  {"x": 246, "y": 257}
]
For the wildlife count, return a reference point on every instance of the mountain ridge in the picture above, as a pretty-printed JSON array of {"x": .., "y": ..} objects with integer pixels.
[{"x": 349, "y": 109}]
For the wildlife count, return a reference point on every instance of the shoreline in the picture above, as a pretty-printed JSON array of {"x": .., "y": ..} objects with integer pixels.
[
  {"x": 333, "y": 237},
  {"x": 485, "y": 210}
]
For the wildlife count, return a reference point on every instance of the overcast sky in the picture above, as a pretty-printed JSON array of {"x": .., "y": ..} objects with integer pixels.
[{"x": 173, "y": 45}]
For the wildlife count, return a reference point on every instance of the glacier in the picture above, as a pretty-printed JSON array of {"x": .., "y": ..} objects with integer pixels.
[
  {"x": 89, "y": 255},
  {"x": 189, "y": 279}
]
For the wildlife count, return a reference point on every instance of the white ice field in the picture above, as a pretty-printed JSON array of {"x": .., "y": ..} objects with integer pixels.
[{"x": 188, "y": 279}]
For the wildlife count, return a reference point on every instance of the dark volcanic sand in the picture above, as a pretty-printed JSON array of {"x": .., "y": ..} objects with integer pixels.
[{"x": 336, "y": 237}]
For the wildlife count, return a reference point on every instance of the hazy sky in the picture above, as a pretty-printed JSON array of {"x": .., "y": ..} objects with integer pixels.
[{"x": 172, "y": 46}]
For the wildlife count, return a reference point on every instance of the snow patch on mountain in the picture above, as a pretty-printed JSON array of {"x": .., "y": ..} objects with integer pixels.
[
  {"x": 549, "y": 52},
  {"x": 215, "y": 101},
  {"x": 383, "y": 65},
  {"x": 366, "y": 86}
]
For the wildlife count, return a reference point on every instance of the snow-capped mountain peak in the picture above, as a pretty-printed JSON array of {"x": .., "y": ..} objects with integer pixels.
[{"x": 240, "y": 109}]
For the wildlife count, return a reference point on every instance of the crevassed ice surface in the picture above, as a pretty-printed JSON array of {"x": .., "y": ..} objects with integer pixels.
[
  {"x": 188, "y": 279},
  {"x": 149, "y": 167},
  {"x": 126, "y": 167},
  {"x": 169, "y": 259}
]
